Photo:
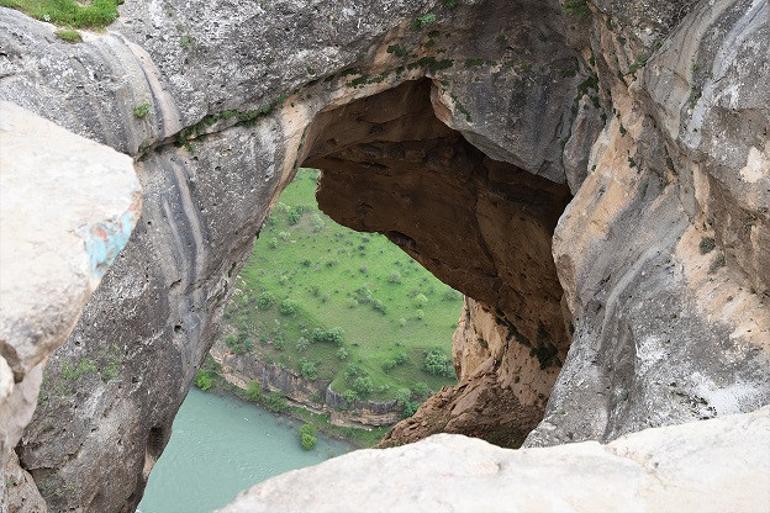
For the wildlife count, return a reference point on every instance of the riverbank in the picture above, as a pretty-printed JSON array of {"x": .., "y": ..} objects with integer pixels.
[
  {"x": 220, "y": 446},
  {"x": 276, "y": 403}
]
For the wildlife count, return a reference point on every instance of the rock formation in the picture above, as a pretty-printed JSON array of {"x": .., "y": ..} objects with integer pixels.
[
  {"x": 594, "y": 176},
  {"x": 714, "y": 464},
  {"x": 67, "y": 208}
]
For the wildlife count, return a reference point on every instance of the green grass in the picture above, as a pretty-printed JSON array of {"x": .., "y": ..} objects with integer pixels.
[
  {"x": 95, "y": 14},
  {"x": 69, "y": 35},
  {"x": 391, "y": 311}
]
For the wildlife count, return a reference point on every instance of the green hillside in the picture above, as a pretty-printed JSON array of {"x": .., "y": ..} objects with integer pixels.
[{"x": 346, "y": 306}]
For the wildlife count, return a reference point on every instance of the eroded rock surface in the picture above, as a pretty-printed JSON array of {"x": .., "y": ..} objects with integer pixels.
[
  {"x": 67, "y": 208},
  {"x": 714, "y": 464},
  {"x": 460, "y": 130}
]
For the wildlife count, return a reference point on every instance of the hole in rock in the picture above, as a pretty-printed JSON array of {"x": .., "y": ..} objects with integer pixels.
[{"x": 332, "y": 322}]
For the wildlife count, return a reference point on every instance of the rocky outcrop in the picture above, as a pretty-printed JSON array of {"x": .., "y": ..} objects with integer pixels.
[
  {"x": 67, "y": 208},
  {"x": 317, "y": 395},
  {"x": 454, "y": 473},
  {"x": 594, "y": 176}
]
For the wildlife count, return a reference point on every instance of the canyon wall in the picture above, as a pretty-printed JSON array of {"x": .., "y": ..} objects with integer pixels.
[{"x": 595, "y": 177}]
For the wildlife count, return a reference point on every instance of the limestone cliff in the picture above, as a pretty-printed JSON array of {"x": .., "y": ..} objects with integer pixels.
[{"x": 595, "y": 177}]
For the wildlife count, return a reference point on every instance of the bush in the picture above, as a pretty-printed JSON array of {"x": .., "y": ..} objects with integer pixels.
[
  {"x": 317, "y": 223},
  {"x": 350, "y": 397},
  {"x": 204, "y": 380},
  {"x": 238, "y": 344},
  {"x": 279, "y": 343},
  {"x": 420, "y": 300},
  {"x": 254, "y": 391},
  {"x": 451, "y": 294},
  {"x": 342, "y": 353},
  {"x": 329, "y": 336},
  {"x": 275, "y": 402},
  {"x": 707, "y": 245},
  {"x": 394, "y": 277},
  {"x": 379, "y": 306},
  {"x": 402, "y": 322},
  {"x": 307, "y": 437},
  {"x": 308, "y": 370},
  {"x": 265, "y": 301},
  {"x": 302, "y": 344},
  {"x": 353, "y": 371},
  {"x": 288, "y": 307},
  {"x": 420, "y": 390},
  {"x": 420, "y": 314},
  {"x": 410, "y": 408},
  {"x": 403, "y": 396},
  {"x": 438, "y": 363},
  {"x": 363, "y": 385},
  {"x": 392, "y": 363}
]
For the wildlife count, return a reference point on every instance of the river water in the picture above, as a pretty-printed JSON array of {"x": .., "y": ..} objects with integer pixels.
[{"x": 220, "y": 446}]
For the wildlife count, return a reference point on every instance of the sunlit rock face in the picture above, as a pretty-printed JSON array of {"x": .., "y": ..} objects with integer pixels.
[
  {"x": 656, "y": 470},
  {"x": 67, "y": 208},
  {"x": 594, "y": 179}
]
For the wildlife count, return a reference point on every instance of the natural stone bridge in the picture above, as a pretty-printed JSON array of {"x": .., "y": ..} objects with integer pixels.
[{"x": 595, "y": 177}]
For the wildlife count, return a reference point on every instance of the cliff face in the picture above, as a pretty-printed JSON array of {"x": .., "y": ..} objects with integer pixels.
[{"x": 594, "y": 178}]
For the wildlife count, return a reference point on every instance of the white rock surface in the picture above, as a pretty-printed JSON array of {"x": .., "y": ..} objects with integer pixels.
[
  {"x": 717, "y": 465},
  {"x": 67, "y": 207}
]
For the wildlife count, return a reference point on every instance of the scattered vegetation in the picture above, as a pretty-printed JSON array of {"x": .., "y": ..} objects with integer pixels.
[
  {"x": 95, "y": 14},
  {"x": 141, "y": 110},
  {"x": 423, "y": 21},
  {"x": 69, "y": 35},
  {"x": 576, "y": 8},
  {"x": 707, "y": 245},
  {"x": 338, "y": 305}
]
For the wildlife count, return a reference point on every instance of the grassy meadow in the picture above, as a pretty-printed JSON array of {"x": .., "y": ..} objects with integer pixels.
[{"x": 345, "y": 306}]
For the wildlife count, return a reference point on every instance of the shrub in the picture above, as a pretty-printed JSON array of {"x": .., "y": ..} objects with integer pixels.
[
  {"x": 420, "y": 390},
  {"x": 294, "y": 217},
  {"x": 265, "y": 301},
  {"x": 353, "y": 371},
  {"x": 69, "y": 35},
  {"x": 391, "y": 363},
  {"x": 273, "y": 243},
  {"x": 302, "y": 344},
  {"x": 402, "y": 322},
  {"x": 420, "y": 300},
  {"x": 284, "y": 236},
  {"x": 317, "y": 223},
  {"x": 308, "y": 370},
  {"x": 410, "y": 408},
  {"x": 423, "y": 21},
  {"x": 275, "y": 402},
  {"x": 141, "y": 110},
  {"x": 707, "y": 245},
  {"x": 254, "y": 391},
  {"x": 238, "y": 344},
  {"x": 379, "y": 306},
  {"x": 451, "y": 294},
  {"x": 342, "y": 353},
  {"x": 420, "y": 314},
  {"x": 204, "y": 380},
  {"x": 288, "y": 307},
  {"x": 330, "y": 336},
  {"x": 363, "y": 385},
  {"x": 438, "y": 363},
  {"x": 394, "y": 277},
  {"x": 350, "y": 397},
  {"x": 307, "y": 437},
  {"x": 403, "y": 396},
  {"x": 576, "y": 8},
  {"x": 279, "y": 343}
]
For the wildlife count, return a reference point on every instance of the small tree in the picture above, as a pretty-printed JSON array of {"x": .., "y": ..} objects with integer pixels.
[
  {"x": 438, "y": 363},
  {"x": 302, "y": 344},
  {"x": 265, "y": 301},
  {"x": 307, "y": 437},
  {"x": 203, "y": 380},
  {"x": 308, "y": 369},
  {"x": 343, "y": 353},
  {"x": 288, "y": 307},
  {"x": 363, "y": 385},
  {"x": 394, "y": 277}
]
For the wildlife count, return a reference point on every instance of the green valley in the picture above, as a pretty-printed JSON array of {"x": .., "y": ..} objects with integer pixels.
[{"x": 348, "y": 307}]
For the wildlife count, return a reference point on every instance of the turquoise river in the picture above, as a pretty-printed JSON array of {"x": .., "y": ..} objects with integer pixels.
[{"x": 220, "y": 446}]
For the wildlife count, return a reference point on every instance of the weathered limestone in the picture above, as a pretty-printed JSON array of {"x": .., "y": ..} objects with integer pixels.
[
  {"x": 67, "y": 208},
  {"x": 713, "y": 466},
  {"x": 654, "y": 114}
]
